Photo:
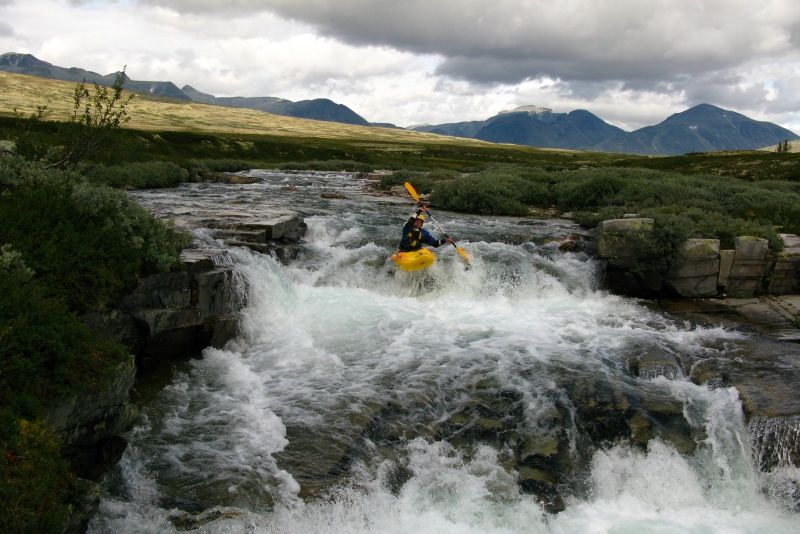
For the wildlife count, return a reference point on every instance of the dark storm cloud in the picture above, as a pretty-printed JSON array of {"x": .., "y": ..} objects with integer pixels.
[{"x": 507, "y": 41}]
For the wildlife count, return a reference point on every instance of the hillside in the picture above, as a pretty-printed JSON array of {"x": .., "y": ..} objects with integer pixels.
[
  {"x": 318, "y": 109},
  {"x": 147, "y": 113}
]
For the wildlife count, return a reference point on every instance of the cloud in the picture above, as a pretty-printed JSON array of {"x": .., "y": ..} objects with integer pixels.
[
  {"x": 6, "y": 30},
  {"x": 516, "y": 40},
  {"x": 631, "y": 63}
]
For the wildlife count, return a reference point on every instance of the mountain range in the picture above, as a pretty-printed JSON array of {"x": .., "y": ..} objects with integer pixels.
[{"x": 702, "y": 128}]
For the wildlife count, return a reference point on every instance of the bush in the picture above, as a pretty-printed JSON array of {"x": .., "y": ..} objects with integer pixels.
[
  {"x": 45, "y": 351},
  {"x": 423, "y": 181},
  {"x": 479, "y": 195},
  {"x": 149, "y": 175},
  {"x": 35, "y": 483},
  {"x": 199, "y": 166},
  {"x": 707, "y": 206},
  {"x": 86, "y": 243}
]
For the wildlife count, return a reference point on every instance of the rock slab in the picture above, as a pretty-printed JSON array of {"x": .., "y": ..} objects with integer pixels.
[{"x": 695, "y": 270}]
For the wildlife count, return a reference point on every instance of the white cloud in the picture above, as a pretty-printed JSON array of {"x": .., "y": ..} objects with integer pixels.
[{"x": 631, "y": 63}]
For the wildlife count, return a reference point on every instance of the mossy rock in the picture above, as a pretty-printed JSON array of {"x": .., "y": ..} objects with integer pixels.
[{"x": 543, "y": 446}]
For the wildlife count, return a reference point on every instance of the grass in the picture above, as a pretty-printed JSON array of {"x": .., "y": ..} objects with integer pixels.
[{"x": 180, "y": 132}]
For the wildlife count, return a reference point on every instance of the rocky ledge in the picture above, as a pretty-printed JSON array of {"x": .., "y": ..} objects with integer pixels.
[
  {"x": 701, "y": 268},
  {"x": 168, "y": 315}
]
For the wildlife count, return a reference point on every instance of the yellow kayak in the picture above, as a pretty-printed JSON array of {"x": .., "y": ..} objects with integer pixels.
[{"x": 414, "y": 260}]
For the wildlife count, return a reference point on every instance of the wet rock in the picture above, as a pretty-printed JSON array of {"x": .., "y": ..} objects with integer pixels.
[
  {"x": 641, "y": 432},
  {"x": 332, "y": 195},
  {"x": 274, "y": 236},
  {"x": 286, "y": 227},
  {"x": 542, "y": 446},
  {"x": 775, "y": 441},
  {"x": 654, "y": 362},
  {"x": 238, "y": 179},
  {"x": 622, "y": 245},
  {"x": 197, "y": 261},
  {"x": 766, "y": 376},
  {"x": 178, "y": 314}
]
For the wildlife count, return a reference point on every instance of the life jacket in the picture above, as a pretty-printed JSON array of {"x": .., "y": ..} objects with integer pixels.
[{"x": 412, "y": 237}]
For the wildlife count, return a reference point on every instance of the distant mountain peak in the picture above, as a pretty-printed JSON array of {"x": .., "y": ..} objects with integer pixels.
[{"x": 530, "y": 109}]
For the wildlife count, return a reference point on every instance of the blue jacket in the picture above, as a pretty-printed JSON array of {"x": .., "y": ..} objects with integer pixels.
[{"x": 414, "y": 238}]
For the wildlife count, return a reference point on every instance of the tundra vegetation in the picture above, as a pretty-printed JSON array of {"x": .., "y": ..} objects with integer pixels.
[
  {"x": 73, "y": 242},
  {"x": 70, "y": 245}
]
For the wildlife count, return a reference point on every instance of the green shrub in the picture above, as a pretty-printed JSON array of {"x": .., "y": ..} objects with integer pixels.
[
  {"x": 704, "y": 205},
  {"x": 197, "y": 167},
  {"x": 86, "y": 243},
  {"x": 45, "y": 351},
  {"x": 477, "y": 194},
  {"x": 147, "y": 175},
  {"x": 35, "y": 483}
]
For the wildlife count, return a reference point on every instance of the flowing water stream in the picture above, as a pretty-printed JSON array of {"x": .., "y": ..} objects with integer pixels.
[{"x": 495, "y": 399}]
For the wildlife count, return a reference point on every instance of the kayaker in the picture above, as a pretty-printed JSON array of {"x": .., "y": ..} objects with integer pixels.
[{"x": 414, "y": 235}]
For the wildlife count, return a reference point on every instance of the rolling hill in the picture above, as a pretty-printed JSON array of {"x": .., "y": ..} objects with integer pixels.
[{"x": 321, "y": 109}]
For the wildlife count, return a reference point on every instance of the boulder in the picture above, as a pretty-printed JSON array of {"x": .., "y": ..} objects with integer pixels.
[
  {"x": 620, "y": 240},
  {"x": 7, "y": 147},
  {"x": 265, "y": 236},
  {"x": 283, "y": 227},
  {"x": 179, "y": 314},
  {"x": 166, "y": 290},
  {"x": 695, "y": 270},
  {"x": 785, "y": 275},
  {"x": 622, "y": 243},
  {"x": 747, "y": 270},
  {"x": 725, "y": 264},
  {"x": 654, "y": 362}
]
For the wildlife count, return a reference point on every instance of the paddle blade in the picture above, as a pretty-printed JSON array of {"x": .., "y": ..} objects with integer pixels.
[
  {"x": 463, "y": 254},
  {"x": 411, "y": 191}
]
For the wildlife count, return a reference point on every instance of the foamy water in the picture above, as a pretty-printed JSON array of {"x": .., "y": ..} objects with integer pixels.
[{"x": 324, "y": 414}]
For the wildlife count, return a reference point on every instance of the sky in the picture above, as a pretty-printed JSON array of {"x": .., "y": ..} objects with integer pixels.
[{"x": 630, "y": 62}]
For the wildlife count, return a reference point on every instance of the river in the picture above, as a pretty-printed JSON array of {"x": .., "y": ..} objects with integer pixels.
[{"x": 494, "y": 399}]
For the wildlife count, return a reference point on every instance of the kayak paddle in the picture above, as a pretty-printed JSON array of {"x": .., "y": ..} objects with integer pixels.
[{"x": 415, "y": 196}]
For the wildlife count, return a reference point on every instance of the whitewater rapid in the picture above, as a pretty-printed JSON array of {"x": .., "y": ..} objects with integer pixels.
[{"x": 325, "y": 413}]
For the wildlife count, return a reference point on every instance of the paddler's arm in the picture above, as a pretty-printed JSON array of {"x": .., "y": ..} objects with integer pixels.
[{"x": 428, "y": 239}]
